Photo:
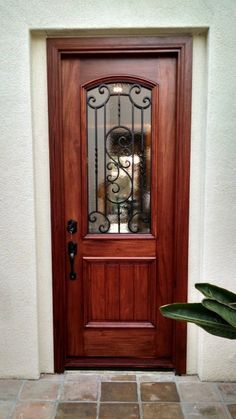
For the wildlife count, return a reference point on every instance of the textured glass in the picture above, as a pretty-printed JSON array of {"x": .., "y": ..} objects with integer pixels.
[{"x": 119, "y": 158}]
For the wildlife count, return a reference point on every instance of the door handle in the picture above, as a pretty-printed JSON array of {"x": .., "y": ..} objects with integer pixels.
[{"x": 72, "y": 251}]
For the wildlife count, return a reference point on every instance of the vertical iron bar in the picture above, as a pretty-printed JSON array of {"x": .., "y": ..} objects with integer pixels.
[
  {"x": 119, "y": 109},
  {"x": 118, "y": 215},
  {"x": 105, "y": 159},
  {"x": 89, "y": 199},
  {"x": 96, "y": 159},
  {"x": 132, "y": 184},
  {"x": 118, "y": 205},
  {"x": 141, "y": 163}
]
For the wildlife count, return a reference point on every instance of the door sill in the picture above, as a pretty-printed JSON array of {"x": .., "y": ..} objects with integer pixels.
[{"x": 118, "y": 363}]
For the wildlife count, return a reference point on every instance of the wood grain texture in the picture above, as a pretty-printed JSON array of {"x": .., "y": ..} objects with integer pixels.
[
  {"x": 119, "y": 292},
  {"x": 72, "y": 63},
  {"x": 57, "y": 205},
  {"x": 183, "y": 124},
  {"x": 106, "y": 342}
]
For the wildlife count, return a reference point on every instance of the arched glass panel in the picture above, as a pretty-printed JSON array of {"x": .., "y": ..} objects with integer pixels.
[{"x": 119, "y": 158}]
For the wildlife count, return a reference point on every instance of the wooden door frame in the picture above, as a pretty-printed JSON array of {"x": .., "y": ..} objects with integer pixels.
[{"x": 181, "y": 46}]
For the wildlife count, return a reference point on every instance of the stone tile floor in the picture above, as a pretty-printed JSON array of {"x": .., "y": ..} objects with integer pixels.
[{"x": 116, "y": 395}]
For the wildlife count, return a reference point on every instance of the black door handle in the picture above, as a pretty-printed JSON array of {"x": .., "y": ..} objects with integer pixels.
[{"x": 72, "y": 251}]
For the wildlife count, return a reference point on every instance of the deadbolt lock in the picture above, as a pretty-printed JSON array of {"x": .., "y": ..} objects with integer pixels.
[{"x": 72, "y": 226}]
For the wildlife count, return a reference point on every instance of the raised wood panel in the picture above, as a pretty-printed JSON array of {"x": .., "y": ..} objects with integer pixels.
[
  {"x": 138, "y": 343},
  {"x": 119, "y": 292}
]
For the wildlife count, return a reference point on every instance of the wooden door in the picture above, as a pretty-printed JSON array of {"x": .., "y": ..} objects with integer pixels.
[{"x": 118, "y": 149}]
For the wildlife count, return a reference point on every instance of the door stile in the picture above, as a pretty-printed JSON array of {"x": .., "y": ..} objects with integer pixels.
[
  {"x": 57, "y": 205},
  {"x": 183, "y": 134}
]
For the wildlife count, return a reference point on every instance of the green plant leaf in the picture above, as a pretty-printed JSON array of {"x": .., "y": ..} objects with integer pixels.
[
  {"x": 201, "y": 316},
  {"x": 217, "y": 293},
  {"x": 224, "y": 311},
  {"x": 222, "y": 331},
  {"x": 191, "y": 312}
]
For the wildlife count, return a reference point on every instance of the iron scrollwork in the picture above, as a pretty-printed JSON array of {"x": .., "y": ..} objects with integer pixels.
[
  {"x": 122, "y": 145},
  {"x": 104, "y": 225}
]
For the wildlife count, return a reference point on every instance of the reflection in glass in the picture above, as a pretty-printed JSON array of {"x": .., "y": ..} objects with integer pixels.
[{"x": 119, "y": 154}]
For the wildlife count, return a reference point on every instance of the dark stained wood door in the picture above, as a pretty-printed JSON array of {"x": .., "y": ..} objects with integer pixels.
[{"x": 119, "y": 130}]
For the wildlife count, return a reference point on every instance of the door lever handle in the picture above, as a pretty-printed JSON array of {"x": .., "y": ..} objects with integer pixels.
[{"x": 72, "y": 251}]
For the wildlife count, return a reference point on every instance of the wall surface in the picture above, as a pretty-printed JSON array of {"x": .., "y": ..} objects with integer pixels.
[{"x": 25, "y": 279}]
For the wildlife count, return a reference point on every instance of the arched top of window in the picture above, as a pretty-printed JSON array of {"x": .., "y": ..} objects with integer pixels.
[{"x": 120, "y": 79}]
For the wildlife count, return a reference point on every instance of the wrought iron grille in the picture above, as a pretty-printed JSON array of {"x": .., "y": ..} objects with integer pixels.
[{"x": 119, "y": 158}]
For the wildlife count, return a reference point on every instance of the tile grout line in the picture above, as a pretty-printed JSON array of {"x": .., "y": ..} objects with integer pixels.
[
  {"x": 17, "y": 399},
  {"x": 58, "y": 397},
  {"x": 180, "y": 398},
  {"x": 228, "y": 412},
  {"x": 99, "y": 395},
  {"x": 138, "y": 379},
  {"x": 139, "y": 397},
  {"x": 40, "y": 400},
  {"x": 222, "y": 401}
]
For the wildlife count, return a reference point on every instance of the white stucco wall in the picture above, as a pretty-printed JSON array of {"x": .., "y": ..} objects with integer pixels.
[{"x": 26, "y": 346}]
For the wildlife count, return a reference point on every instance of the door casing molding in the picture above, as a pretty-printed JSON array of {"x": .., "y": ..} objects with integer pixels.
[{"x": 181, "y": 46}]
